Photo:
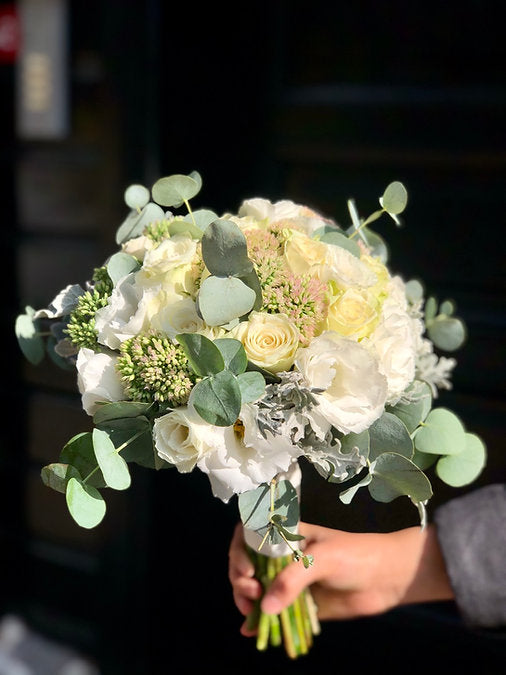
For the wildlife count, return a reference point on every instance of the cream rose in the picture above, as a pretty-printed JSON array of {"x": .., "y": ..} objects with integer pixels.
[
  {"x": 97, "y": 379},
  {"x": 270, "y": 340},
  {"x": 327, "y": 262},
  {"x": 354, "y": 390},
  {"x": 353, "y": 313}
]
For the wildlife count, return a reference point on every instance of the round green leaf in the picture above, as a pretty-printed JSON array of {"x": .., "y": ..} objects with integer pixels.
[
  {"x": 376, "y": 243},
  {"x": 447, "y": 333},
  {"x": 234, "y": 354},
  {"x": 135, "y": 222},
  {"x": 222, "y": 299},
  {"x": 224, "y": 249},
  {"x": 85, "y": 503},
  {"x": 389, "y": 434},
  {"x": 394, "y": 475},
  {"x": 120, "y": 264},
  {"x": 347, "y": 495},
  {"x": 394, "y": 198},
  {"x": 423, "y": 460},
  {"x": 414, "y": 411},
  {"x": 136, "y": 196},
  {"x": 78, "y": 452},
  {"x": 174, "y": 190},
  {"x": 202, "y": 218},
  {"x": 464, "y": 468},
  {"x": 120, "y": 409},
  {"x": 217, "y": 399},
  {"x": 183, "y": 226},
  {"x": 56, "y": 476},
  {"x": 414, "y": 290},
  {"x": 339, "y": 239},
  {"x": 204, "y": 356},
  {"x": 29, "y": 340},
  {"x": 442, "y": 433},
  {"x": 252, "y": 386},
  {"x": 113, "y": 466}
]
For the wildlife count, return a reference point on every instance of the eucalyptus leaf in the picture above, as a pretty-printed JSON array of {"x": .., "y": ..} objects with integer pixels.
[
  {"x": 29, "y": 340},
  {"x": 347, "y": 495},
  {"x": 416, "y": 407},
  {"x": 57, "y": 475},
  {"x": 234, "y": 354},
  {"x": 255, "y": 509},
  {"x": 201, "y": 218},
  {"x": 442, "y": 433},
  {"x": 78, "y": 452},
  {"x": 414, "y": 290},
  {"x": 224, "y": 250},
  {"x": 395, "y": 198},
  {"x": 376, "y": 243},
  {"x": 394, "y": 475},
  {"x": 430, "y": 310},
  {"x": 447, "y": 307},
  {"x": 252, "y": 386},
  {"x": 447, "y": 333},
  {"x": 85, "y": 503},
  {"x": 113, "y": 466},
  {"x": 183, "y": 226},
  {"x": 203, "y": 355},
  {"x": 120, "y": 264},
  {"x": 120, "y": 409},
  {"x": 134, "y": 436},
  {"x": 389, "y": 433},
  {"x": 136, "y": 196},
  {"x": 341, "y": 240},
  {"x": 217, "y": 399},
  {"x": 176, "y": 189},
  {"x": 464, "y": 468},
  {"x": 360, "y": 441},
  {"x": 252, "y": 281},
  {"x": 221, "y": 300},
  {"x": 135, "y": 222},
  {"x": 423, "y": 460}
]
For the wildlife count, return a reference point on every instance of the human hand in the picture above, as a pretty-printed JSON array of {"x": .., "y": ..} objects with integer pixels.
[{"x": 353, "y": 574}]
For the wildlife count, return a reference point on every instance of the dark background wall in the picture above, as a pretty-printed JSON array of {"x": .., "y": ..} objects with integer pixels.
[{"x": 315, "y": 103}]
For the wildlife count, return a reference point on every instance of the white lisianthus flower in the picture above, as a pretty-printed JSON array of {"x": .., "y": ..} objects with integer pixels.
[
  {"x": 327, "y": 262},
  {"x": 179, "y": 438},
  {"x": 289, "y": 213},
  {"x": 129, "y": 310},
  {"x": 97, "y": 379},
  {"x": 395, "y": 342},
  {"x": 354, "y": 390},
  {"x": 241, "y": 458},
  {"x": 270, "y": 340}
]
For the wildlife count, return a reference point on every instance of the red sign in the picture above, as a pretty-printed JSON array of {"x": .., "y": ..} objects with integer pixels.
[{"x": 10, "y": 33}]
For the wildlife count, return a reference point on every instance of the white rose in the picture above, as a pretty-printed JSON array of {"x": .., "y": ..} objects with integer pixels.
[
  {"x": 242, "y": 459},
  {"x": 270, "y": 340},
  {"x": 353, "y": 388},
  {"x": 395, "y": 342},
  {"x": 179, "y": 438},
  {"x": 97, "y": 379}
]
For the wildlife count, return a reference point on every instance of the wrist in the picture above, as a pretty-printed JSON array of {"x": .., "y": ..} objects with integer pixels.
[{"x": 424, "y": 577}]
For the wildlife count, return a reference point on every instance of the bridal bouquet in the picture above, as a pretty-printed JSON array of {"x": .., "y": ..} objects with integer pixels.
[{"x": 243, "y": 344}]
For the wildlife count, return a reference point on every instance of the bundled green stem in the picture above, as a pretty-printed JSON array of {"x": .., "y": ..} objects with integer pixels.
[{"x": 295, "y": 626}]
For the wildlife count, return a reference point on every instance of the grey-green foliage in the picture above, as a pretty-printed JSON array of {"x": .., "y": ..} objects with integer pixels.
[
  {"x": 272, "y": 511},
  {"x": 447, "y": 331},
  {"x": 224, "y": 385},
  {"x": 232, "y": 289}
]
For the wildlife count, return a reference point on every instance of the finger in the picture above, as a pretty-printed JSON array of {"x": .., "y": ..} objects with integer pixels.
[
  {"x": 240, "y": 563},
  {"x": 286, "y": 587}
]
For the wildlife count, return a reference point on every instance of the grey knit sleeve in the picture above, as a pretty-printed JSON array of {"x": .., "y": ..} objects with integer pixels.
[{"x": 472, "y": 535}]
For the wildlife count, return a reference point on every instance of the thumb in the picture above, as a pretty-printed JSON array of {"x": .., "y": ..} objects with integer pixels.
[{"x": 286, "y": 587}]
